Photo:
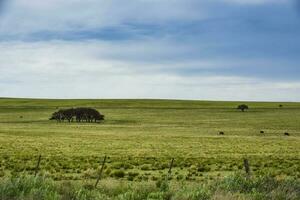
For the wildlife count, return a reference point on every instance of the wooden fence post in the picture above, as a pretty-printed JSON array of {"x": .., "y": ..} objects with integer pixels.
[
  {"x": 171, "y": 166},
  {"x": 100, "y": 172},
  {"x": 247, "y": 167},
  {"x": 38, "y": 165},
  {"x": 170, "y": 169}
]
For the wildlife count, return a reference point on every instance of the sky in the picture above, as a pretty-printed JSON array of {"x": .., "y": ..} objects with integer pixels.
[{"x": 161, "y": 49}]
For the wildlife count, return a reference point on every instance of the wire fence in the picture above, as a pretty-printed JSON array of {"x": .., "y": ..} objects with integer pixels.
[{"x": 79, "y": 164}]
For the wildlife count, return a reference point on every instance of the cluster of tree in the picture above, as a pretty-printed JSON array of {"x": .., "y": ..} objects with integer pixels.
[{"x": 78, "y": 114}]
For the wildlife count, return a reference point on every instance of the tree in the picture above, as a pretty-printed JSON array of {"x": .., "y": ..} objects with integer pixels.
[
  {"x": 58, "y": 116},
  {"x": 80, "y": 114},
  {"x": 243, "y": 107}
]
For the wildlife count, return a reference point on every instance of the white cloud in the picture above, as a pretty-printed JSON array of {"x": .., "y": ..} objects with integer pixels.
[
  {"x": 138, "y": 68},
  {"x": 78, "y": 70}
]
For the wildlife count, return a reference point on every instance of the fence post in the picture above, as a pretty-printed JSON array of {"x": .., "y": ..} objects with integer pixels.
[
  {"x": 247, "y": 167},
  {"x": 38, "y": 165},
  {"x": 171, "y": 166},
  {"x": 100, "y": 172},
  {"x": 170, "y": 169}
]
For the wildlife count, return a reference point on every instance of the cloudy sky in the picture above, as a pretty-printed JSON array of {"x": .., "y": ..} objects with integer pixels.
[{"x": 175, "y": 49}]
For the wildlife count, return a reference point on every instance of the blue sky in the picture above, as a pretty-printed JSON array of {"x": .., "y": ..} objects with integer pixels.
[{"x": 177, "y": 49}]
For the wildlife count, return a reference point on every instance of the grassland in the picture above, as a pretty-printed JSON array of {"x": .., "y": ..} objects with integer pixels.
[{"x": 141, "y": 136}]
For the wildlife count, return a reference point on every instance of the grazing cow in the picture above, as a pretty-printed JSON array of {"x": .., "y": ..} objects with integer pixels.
[
  {"x": 262, "y": 132},
  {"x": 221, "y": 133},
  {"x": 286, "y": 134}
]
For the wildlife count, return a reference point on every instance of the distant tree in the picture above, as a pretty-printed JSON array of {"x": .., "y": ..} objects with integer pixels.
[
  {"x": 243, "y": 107},
  {"x": 80, "y": 114},
  {"x": 280, "y": 106}
]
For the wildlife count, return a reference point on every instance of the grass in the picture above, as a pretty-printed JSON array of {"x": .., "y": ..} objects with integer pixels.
[
  {"x": 233, "y": 187},
  {"x": 141, "y": 136}
]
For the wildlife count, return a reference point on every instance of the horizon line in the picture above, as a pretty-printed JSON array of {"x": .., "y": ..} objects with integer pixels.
[{"x": 147, "y": 99}]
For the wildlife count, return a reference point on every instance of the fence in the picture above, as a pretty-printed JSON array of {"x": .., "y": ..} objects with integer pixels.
[
  {"x": 100, "y": 172},
  {"x": 150, "y": 167}
]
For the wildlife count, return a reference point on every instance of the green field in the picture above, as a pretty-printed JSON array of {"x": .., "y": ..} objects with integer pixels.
[{"x": 141, "y": 136}]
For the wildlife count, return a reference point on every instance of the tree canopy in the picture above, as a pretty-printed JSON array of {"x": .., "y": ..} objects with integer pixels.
[
  {"x": 79, "y": 114},
  {"x": 243, "y": 107}
]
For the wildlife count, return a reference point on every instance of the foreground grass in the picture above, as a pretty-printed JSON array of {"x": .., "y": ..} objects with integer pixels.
[{"x": 232, "y": 187}]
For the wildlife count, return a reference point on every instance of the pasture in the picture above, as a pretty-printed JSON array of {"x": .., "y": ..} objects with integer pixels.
[{"x": 140, "y": 137}]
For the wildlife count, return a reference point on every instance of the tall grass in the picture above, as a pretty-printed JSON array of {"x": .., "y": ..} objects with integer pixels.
[
  {"x": 27, "y": 187},
  {"x": 263, "y": 187}
]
